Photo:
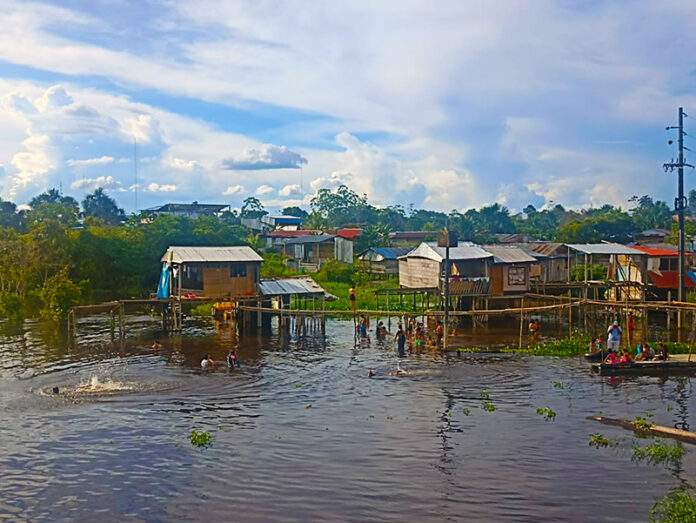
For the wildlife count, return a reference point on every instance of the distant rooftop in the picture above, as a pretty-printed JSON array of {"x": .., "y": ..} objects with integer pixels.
[
  {"x": 189, "y": 207},
  {"x": 603, "y": 248}
]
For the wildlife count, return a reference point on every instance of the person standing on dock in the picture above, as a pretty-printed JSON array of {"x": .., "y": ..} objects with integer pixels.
[
  {"x": 401, "y": 341},
  {"x": 614, "y": 336},
  {"x": 353, "y": 301}
]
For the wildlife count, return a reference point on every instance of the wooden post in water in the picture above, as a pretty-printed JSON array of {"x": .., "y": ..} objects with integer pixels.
[
  {"x": 519, "y": 344},
  {"x": 570, "y": 313}
]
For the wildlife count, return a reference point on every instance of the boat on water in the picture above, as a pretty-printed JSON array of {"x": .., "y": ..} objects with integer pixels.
[
  {"x": 674, "y": 365},
  {"x": 597, "y": 355}
]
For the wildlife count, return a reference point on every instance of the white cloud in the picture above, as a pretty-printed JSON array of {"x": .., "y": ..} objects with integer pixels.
[
  {"x": 53, "y": 98},
  {"x": 263, "y": 190},
  {"x": 292, "y": 189},
  {"x": 90, "y": 184},
  {"x": 90, "y": 162},
  {"x": 156, "y": 187},
  {"x": 182, "y": 165},
  {"x": 266, "y": 156},
  {"x": 233, "y": 189}
]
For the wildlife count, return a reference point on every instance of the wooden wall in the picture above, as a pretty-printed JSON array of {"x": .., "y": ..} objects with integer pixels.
[
  {"x": 217, "y": 281},
  {"x": 419, "y": 272}
]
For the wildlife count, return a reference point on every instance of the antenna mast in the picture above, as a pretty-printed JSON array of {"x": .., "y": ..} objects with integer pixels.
[{"x": 135, "y": 172}]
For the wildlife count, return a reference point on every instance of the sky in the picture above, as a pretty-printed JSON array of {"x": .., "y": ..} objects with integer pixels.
[{"x": 443, "y": 105}]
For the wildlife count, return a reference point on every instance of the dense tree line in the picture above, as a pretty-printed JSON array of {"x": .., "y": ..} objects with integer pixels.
[
  {"x": 60, "y": 252},
  {"x": 56, "y": 255}
]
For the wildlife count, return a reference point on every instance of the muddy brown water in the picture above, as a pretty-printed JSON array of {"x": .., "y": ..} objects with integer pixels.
[{"x": 301, "y": 433}]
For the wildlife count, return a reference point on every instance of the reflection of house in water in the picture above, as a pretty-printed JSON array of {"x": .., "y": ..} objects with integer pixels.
[{"x": 213, "y": 272}]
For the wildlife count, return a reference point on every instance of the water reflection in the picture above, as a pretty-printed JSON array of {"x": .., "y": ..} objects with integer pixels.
[{"x": 302, "y": 432}]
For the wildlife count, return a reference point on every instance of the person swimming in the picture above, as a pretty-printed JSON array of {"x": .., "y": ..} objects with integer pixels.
[
  {"x": 232, "y": 359},
  {"x": 206, "y": 362}
]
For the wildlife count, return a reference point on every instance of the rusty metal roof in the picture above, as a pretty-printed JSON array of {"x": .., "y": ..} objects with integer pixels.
[{"x": 211, "y": 254}]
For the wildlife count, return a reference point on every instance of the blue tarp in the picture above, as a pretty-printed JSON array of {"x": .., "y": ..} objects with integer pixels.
[{"x": 163, "y": 287}]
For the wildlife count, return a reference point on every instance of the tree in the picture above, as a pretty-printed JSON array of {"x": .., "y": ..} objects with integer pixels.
[
  {"x": 252, "y": 208},
  {"x": 53, "y": 206},
  {"x": 101, "y": 205},
  {"x": 613, "y": 225},
  {"x": 295, "y": 211},
  {"x": 649, "y": 214},
  {"x": 9, "y": 217}
]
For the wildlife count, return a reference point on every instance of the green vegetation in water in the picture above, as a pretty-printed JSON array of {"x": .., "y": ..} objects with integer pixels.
[
  {"x": 297, "y": 385},
  {"x": 488, "y": 406},
  {"x": 677, "y": 506},
  {"x": 599, "y": 440},
  {"x": 572, "y": 346},
  {"x": 202, "y": 309},
  {"x": 642, "y": 424},
  {"x": 485, "y": 395},
  {"x": 548, "y": 413},
  {"x": 466, "y": 411},
  {"x": 559, "y": 385},
  {"x": 201, "y": 439},
  {"x": 659, "y": 452}
]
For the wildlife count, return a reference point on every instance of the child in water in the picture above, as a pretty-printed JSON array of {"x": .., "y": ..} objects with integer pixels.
[{"x": 232, "y": 360}]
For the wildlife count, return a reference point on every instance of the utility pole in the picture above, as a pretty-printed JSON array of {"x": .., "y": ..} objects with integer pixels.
[
  {"x": 680, "y": 200},
  {"x": 447, "y": 239}
]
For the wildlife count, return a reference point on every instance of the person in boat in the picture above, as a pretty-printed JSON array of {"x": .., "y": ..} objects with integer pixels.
[
  {"x": 663, "y": 354},
  {"x": 232, "y": 359},
  {"x": 642, "y": 353},
  {"x": 651, "y": 351},
  {"x": 612, "y": 358},
  {"x": 614, "y": 336},
  {"x": 400, "y": 339},
  {"x": 625, "y": 357},
  {"x": 206, "y": 362}
]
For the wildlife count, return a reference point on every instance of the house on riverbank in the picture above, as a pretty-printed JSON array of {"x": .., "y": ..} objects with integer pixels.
[
  {"x": 309, "y": 253},
  {"x": 382, "y": 260},
  {"x": 211, "y": 272},
  {"x": 509, "y": 269}
]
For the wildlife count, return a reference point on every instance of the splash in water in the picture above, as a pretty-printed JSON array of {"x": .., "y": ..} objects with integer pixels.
[{"x": 96, "y": 386}]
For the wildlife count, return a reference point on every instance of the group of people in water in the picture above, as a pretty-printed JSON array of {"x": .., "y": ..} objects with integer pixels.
[
  {"x": 415, "y": 334},
  {"x": 615, "y": 355},
  {"x": 232, "y": 361}
]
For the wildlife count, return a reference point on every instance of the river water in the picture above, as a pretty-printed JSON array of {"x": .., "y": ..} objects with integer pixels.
[{"x": 302, "y": 433}]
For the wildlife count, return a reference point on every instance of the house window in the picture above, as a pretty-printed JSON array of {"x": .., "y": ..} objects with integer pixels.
[
  {"x": 238, "y": 270},
  {"x": 517, "y": 276},
  {"x": 669, "y": 264}
]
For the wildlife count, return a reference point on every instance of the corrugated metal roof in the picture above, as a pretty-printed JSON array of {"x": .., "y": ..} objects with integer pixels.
[
  {"x": 604, "y": 248},
  {"x": 463, "y": 251},
  {"x": 312, "y": 238},
  {"x": 211, "y": 254},
  {"x": 288, "y": 286},
  {"x": 388, "y": 253},
  {"x": 508, "y": 254}
]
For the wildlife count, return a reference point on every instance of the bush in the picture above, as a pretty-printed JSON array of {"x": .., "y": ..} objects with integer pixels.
[{"x": 336, "y": 271}]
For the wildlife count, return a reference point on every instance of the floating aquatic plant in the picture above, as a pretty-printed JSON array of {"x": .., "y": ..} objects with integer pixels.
[
  {"x": 485, "y": 395},
  {"x": 297, "y": 385},
  {"x": 642, "y": 424},
  {"x": 599, "y": 440},
  {"x": 548, "y": 413},
  {"x": 659, "y": 452},
  {"x": 466, "y": 411},
  {"x": 675, "y": 507},
  {"x": 201, "y": 439},
  {"x": 488, "y": 406}
]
